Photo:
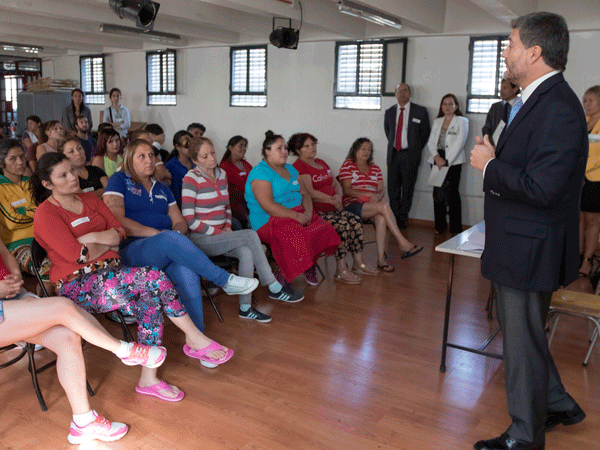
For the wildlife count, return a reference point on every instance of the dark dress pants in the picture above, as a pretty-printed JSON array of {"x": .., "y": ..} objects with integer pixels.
[
  {"x": 402, "y": 176},
  {"x": 446, "y": 199},
  {"x": 533, "y": 385}
]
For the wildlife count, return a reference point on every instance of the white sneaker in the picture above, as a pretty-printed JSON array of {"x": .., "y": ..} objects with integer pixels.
[
  {"x": 240, "y": 285},
  {"x": 100, "y": 429}
]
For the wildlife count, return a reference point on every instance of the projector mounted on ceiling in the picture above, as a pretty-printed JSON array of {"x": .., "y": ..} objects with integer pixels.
[
  {"x": 370, "y": 14},
  {"x": 284, "y": 37}
]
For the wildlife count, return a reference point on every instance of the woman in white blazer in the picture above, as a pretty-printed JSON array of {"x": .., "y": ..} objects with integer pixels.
[{"x": 447, "y": 148}]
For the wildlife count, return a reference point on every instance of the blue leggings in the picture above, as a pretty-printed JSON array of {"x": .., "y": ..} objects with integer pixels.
[{"x": 182, "y": 261}]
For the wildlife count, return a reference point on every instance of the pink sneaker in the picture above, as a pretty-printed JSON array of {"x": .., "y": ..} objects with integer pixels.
[
  {"x": 311, "y": 276},
  {"x": 99, "y": 429},
  {"x": 145, "y": 355}
]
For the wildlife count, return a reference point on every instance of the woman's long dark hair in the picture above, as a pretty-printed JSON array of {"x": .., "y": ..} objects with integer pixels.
[
  {"x": 43, "y": 169},
  {"x": 103, "y": 138},
  {"x": 356, "y": 146},
  {"x": 297, "y": 140},
  {"x": 232, "y": 143},
  {"x": 458, "y": 112},
  {"x": 82, "y": 107}
]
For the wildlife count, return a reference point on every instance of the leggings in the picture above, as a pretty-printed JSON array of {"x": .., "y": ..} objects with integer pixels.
[
  {"x": 350, "y": 230},
  {"x": 183, "y": 262},
  {"x": 143, "y": 292},
  {"x": 243, "y": 245}
]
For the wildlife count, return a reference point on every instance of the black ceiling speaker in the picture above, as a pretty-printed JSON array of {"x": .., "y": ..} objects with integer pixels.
[{"x": 284, "y": 37}]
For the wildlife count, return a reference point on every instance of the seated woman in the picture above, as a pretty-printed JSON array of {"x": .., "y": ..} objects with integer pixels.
[
  {"x": 156, "y": 230},
  {"x": 208, "y": 215},
  {"x": 58, "y": 324},
  {"x": 362, "y": 183},
  {"x": 326, "y": 194},
  {"x": 81, "y": 235},
  {"x": 447, "y": 149},
  {"x": 17, "y": 206},
  {"x": 52, "y": 133},
  {"x": 31, "y": 138},
  {"x": 91, "y": 178},
  {"x": 107, "y": 152},
  {"x": 282, "y": 214},
  {"x": 237, "y": 169},
  {"x": 179, "y": 165}
]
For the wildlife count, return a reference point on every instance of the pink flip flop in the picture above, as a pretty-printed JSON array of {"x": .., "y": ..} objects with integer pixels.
[
  {"x": 155, "y": 391},
  {"x": 205, "y": 360}
]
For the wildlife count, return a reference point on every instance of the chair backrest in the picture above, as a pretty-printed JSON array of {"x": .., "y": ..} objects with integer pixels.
[{"x": 38, "y": 253}]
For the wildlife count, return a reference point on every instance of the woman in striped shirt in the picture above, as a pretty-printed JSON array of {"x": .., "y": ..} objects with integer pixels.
[
  {"x": 207, "y": 211},
  {"x": 362, "y": 183}
]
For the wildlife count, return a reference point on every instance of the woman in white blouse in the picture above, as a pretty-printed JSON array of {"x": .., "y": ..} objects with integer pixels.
[
  {"x": 447, "y": 148},
  {"x": 116, "y": 114}
]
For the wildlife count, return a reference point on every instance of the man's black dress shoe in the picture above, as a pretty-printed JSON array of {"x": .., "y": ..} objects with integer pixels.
[
  {"x": 505, "y": 442},
  {"x": 570, "y": 417}
]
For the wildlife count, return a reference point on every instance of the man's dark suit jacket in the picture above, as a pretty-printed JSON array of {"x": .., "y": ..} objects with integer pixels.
[
  {"x": 532, "y": 192},
  {"x": 418, "y": 131},
  {"x": 494, "y": 116}
]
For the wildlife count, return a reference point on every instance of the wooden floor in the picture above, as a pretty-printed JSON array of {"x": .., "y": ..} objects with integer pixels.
[{"x": 348, "y": 368}]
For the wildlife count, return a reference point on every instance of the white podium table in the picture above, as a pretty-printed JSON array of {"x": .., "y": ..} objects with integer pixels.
[{"x": 451, "y": 246}]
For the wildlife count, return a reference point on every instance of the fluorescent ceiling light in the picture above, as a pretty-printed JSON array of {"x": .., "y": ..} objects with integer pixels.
[
  {"x": 10, "y": 47},
  {"x": 370, "y": 14},
  {"x": 157, "y": 36}
]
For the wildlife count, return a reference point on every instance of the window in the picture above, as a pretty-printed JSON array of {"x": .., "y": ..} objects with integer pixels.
[
  {"x": 358, "y": 75},
  {"x": 161, "y": 83},
  {"x": 248, "y": 81},
  {"x": 92, "y": 78},
  {"x": 486, "y": 70}
]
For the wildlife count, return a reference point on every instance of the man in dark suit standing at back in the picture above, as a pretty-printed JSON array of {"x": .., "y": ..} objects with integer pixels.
[
  {"x": 500, "y": 111},
  {"x": 532, "y": 183},
  {"x": 407, "y": 129}
]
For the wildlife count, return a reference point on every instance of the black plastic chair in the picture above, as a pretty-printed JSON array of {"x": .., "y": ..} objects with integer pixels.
[{"x": 38, "y": 253}]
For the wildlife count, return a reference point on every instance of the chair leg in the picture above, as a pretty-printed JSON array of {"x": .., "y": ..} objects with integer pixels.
[
  {"x": 490, "y": 304},
  {"x": 212, "y": 302},
  {"x": 553, "y": 330},
  {"x": 89, "y": 389},
  {"x": 318, "y": 266},
  {"x": 32, "y": 369},
  {"x": 127, "y": 337},
  {"x": 594, "y": 339}
]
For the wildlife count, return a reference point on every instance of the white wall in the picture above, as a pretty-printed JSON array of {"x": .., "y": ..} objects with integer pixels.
[{"x": 300, "y": 86}]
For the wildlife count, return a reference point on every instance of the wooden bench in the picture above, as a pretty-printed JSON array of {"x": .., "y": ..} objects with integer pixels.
[{"x": 577, "y": 304}]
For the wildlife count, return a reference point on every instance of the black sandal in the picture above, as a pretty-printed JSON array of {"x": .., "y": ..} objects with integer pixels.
[{"x": 412, "y": 252}]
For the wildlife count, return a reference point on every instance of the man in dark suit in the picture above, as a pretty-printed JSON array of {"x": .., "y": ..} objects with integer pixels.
[
  {"x": 407, "y": 129},
  {"x": 532, "y": 183},
  {"x": 500, "y": 111}
]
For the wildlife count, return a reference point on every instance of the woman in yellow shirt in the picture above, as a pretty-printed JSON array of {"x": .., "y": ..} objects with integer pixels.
[{"x": 589, "y": 223}]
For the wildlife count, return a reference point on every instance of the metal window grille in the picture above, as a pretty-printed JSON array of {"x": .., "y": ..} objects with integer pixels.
[
  {"x": 161, "y": 86},
  {"x": 486, "y": 70},
  {"x": 92, "y": 78},
  {"x": 359, "y": 68},
  {"x": 248, "y": 82}
]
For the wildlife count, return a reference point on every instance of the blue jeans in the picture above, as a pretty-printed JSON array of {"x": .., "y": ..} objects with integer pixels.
[{"x": 182, "y": 261}]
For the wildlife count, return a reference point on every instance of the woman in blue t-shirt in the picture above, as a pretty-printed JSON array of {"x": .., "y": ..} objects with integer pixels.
[
  {"x": 156, "y": 231},
  {"x": 281, "y": 212}
]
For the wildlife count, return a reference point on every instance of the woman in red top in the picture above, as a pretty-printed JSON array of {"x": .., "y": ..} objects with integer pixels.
[
  {"x": 81, "y": 236},
  {"x": 362, "y": 183},
  {"x": 326, "y": 194},
  {"x": 237, "y": 169}
]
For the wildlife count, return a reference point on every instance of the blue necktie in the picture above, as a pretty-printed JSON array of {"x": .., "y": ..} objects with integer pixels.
[{"x": 514, "y": 110}]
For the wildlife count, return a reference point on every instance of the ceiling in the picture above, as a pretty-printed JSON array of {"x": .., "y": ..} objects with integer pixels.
[{"x": 64, "y": 26}]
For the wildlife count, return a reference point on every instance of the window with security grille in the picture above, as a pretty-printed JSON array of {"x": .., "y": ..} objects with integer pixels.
[
  {"x": 92, "y": 78},
  {"x": 248, "y": 80},
  {"x": 161, "y": 82},
  {"x": 486, "y": 70},
  {"x": 358, "y": 75}
]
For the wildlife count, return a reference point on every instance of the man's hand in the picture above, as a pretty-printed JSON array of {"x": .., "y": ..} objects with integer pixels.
[
  {"x": 482, "y": 152},
  {"x": 439, "y": 161}
]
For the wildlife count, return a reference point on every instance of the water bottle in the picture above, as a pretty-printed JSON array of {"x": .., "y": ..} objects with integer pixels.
[{"x": 13, "y": 130}]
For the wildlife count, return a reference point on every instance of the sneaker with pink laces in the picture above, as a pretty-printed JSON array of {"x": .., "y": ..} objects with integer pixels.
[
  {"x": 100, "y": 428},
  {"x": 311, "y": 276},
  {"x": 145, "y": 355}
]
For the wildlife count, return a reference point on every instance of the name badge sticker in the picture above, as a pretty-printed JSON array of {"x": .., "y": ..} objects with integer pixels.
[
  {"x": 295, "y": 182},
  {"x": 89, "y": 189},
  {"x": 242, "y": 174},
  {"x": 17, "y": 203},
  {"x": 80, "y": 221},
  {"x": 416, "y": 120},
  {"x": 593, "y": 138}
]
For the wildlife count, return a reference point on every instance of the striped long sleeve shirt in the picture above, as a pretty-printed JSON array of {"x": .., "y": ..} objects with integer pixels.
[{"x": 204, "y": 203}]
